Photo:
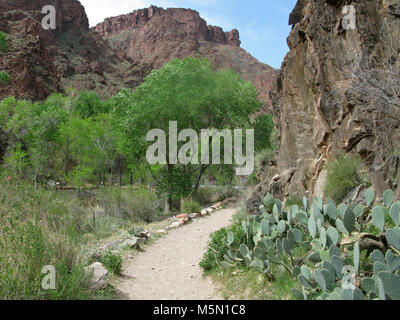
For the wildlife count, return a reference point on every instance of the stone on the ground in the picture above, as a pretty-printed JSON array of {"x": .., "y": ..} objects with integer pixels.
[
  {"x": 161, "y": 231},
  {"x": 131, "y": 242},
  {"x": 99, "y": 276},
  {"x": 183, "y": 218},
  {"x": 175, "y": 224},
  {"x": 193, "y": 215},
  {"x": 144, "y": 234},
  {"x": 204, "y": 212}
]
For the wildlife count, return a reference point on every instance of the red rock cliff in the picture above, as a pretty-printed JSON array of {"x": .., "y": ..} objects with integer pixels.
[{"x": 155, "y": 36}]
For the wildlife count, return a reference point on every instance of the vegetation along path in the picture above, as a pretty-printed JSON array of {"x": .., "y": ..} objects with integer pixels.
[{"x": 169, "y": 269}]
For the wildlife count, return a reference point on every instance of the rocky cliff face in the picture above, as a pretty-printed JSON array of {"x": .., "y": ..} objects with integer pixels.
[
  {"x": 338, "y": 92},
  {"x": 155, "y": 36},
  {"x": 44, "y": 61}
]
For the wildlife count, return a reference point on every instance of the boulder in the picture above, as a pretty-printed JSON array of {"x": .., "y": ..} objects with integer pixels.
[
  {"x": 99, "y": 276},
  {"x": 193, "y": 215},
  {"x": 130, "y": 242}
]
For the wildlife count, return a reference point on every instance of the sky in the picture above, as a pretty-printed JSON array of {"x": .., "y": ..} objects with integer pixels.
[{"x": 263, "y": 24}]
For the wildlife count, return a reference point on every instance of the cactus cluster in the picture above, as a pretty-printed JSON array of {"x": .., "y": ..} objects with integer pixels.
[{"x": 335, "y": 239}]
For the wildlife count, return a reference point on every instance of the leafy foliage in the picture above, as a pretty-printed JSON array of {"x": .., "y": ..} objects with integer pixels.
[
  {"x": 190, "y": 206},
  {"x": 191, "y": 93},
  {"x": 263, "y": 127},
  {"x": 3, "y": 42},
  {"x": 113, "y": 262},
  {"x": 342, "y": 177},
  {"x": 5, "y": 77},
  {"x": 218, "y": 248}
]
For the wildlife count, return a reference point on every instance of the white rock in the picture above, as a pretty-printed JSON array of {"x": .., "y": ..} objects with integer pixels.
[
  {"x": 193, "y": 215},
  {"x": 99, "y": 276},
  {"x": 161, "y": 231},
  {"x": 176, "y": 224}
]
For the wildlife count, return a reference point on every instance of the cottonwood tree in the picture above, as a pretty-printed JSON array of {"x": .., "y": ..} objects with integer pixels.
[{"x": 191, "y": 93}]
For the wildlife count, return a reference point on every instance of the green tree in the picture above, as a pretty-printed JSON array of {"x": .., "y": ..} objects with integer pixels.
[
  {"x": 263, "y": 128},
  {"x": 88, "y": 104},
  {"x": 16, "y": 162},
  {"x": 191, "y": 93}
]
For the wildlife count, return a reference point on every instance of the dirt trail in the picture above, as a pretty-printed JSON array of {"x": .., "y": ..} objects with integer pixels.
[{"x": 169, "y": 269}]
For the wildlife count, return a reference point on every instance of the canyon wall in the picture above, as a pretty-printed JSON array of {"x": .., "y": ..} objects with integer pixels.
[
  {"x": 155, "y": 36},
  {"x": 338, "y": 92}
]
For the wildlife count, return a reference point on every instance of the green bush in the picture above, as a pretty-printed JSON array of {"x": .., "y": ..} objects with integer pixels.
[
  {"x": 294, "y": 200},
  {"x": 133, "y": 204},
  {"x": 189, "y": 206},
  {"x": 3, "y": 42},
  {"x": 5, "y": 78},
  {"x": 263, "y": 128},
  {"x": 25, "y": 248},
  {"x": 217, "y": 247},
  {"x": 40, "y": 228},
  {"x": 343, "y": 176},
  {"x": 113, "y": 262}
]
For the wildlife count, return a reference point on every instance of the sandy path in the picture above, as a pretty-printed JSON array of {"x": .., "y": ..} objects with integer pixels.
[{"x": 169, "y": 269}]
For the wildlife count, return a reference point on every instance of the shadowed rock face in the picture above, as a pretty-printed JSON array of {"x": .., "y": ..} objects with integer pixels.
[
  {"x": 155, "y": 36},
  {"x": 118, "y": 53},
  {"x": 71, "y": 15},
  {"x": 44, "y": 61},
  {"x": 337, "y": 90}
]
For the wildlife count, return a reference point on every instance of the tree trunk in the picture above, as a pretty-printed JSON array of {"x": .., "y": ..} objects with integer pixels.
[
  {"x": 203, "y": 168},
  {"x": 170, "y": 204}
]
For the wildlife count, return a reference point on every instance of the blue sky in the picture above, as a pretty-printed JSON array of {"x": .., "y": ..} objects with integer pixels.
[{"x": 263, "y": 24}]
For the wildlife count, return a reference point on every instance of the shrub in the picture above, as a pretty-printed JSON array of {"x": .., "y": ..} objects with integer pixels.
[
  {"x": 134, "y": 204},
  {"x": 189, "y": 206},
  {"x": 294, "y": 200},
  {"x": 35, "y": 231},
  {"x": 217, "y": 247},
  {"x": 263, "y": 128},
  {"x": 3, "y": 42},
  {"x": 4, "y": 77},
  {"x": 342, "y": 177},
  {"x": 113, "y": 262},
  {"x": 25, "y": 248}
]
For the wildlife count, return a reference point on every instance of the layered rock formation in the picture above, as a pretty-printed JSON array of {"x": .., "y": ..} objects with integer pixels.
[
  {"x": 44, "y": 61},
  {"x": 155, "y": 36},
  {"x": 338, "y": 92}
]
